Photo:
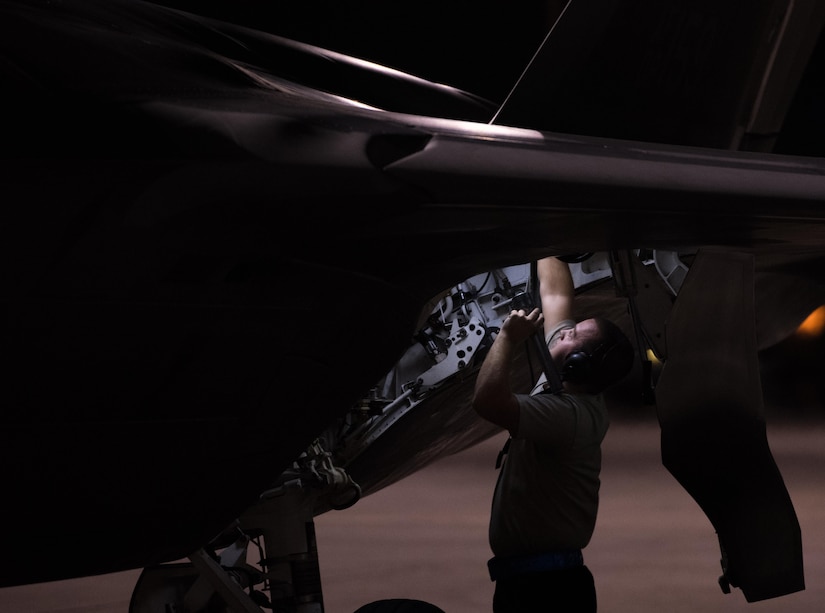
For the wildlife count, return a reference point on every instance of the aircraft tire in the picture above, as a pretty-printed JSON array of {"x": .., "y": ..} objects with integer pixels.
[
  {"x": 575, "y": 258},
  {"x": 399, "y": 605}
]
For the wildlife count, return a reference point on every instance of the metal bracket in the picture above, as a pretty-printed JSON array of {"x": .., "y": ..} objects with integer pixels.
[
  {"x": 232, "y": 594},
  {"x": 649, "y": 303}
]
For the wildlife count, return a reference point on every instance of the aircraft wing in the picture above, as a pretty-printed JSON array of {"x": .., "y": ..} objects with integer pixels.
[{"x": 215, "y": 246}]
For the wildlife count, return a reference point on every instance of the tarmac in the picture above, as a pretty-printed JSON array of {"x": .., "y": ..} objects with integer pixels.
[{"x": 425, "y": 538}]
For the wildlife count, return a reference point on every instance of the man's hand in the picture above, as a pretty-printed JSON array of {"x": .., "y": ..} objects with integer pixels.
[{"x": 520, "y": 325}]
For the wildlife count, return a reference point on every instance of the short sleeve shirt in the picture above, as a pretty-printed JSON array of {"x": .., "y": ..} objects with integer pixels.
[{"x": 547, "y": 494}]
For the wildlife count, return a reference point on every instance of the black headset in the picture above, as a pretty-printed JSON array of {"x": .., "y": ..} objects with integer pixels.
[
  {"x": 578, "y": 367},
  {"x": 591, "y": 367}
]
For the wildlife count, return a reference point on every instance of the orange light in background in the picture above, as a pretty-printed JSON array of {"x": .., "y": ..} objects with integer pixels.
[{"x": 814, "y": 325}]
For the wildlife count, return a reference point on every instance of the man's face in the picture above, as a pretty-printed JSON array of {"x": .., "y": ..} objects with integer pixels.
[{"x": 572, "y": 339}]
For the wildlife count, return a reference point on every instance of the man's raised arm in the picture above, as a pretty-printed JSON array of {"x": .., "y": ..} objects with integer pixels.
[{"x": 556, "y": 290}]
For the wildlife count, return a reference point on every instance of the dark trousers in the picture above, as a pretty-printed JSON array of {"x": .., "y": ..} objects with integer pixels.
[{"x": 570, "y": 590}]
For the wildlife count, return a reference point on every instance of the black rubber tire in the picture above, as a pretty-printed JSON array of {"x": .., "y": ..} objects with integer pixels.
[
  {"x": 399, "y": 605},
  {"x": 575, "y": 258}
]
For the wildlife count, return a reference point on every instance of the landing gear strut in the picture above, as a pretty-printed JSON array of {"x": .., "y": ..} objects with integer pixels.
[{"x": 286, "y": 579}]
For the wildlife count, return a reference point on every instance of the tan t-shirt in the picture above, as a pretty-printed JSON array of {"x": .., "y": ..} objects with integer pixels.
[{"x": 547, "y": 494}]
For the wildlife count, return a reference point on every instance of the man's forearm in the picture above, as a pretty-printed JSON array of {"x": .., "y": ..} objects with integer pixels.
[
  {"x": 494, "y": 376},
  {"x": 493, "y": 399}
]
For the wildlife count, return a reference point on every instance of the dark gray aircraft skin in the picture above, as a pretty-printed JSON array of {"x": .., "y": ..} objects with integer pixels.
[{"x": 217, "y": 239}]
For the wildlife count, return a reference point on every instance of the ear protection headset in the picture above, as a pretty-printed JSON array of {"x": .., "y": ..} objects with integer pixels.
[
  {"x": 578, "y": 366},
  {"x": 594, "y": 367}
]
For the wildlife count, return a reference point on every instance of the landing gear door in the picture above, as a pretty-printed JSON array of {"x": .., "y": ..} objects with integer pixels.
[{"x": 714, "y": 441}]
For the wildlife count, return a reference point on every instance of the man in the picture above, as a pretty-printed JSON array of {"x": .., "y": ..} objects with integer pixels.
[{"x": 545, "y": 503}]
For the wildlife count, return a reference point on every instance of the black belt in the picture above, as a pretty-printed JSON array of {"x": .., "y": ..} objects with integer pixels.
[{"x": 511, "y": 566}]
